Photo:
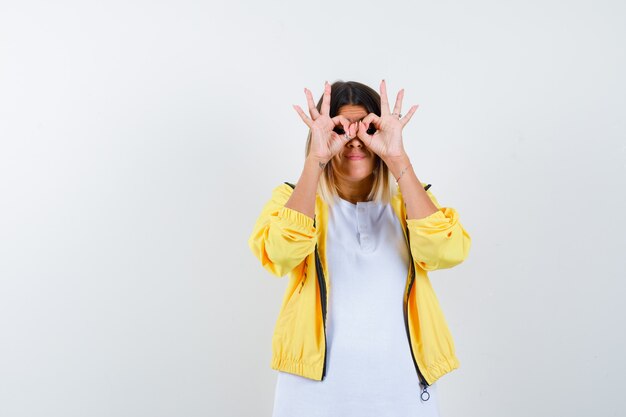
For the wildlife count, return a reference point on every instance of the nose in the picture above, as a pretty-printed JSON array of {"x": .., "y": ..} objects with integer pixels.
[{"x": 354, "y": 142}]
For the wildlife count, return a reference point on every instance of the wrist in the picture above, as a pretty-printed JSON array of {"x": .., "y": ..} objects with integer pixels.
[
  {"x": 397, "y": 164},
  {"x": 315, "y": 163}
]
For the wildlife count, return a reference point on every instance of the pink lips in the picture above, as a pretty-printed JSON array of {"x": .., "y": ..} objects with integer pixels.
[{"x": 355, "y": 157}]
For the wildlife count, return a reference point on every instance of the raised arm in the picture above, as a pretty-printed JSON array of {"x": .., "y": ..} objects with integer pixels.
[{"x": 303, "y": 197}]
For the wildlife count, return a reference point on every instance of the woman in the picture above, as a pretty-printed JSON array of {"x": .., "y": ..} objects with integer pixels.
[{"x": 365, "y": 336}]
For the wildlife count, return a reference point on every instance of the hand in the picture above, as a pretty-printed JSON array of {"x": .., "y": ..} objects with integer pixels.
[
  {"x": 325, "y": 142},
  {"x": 387, "y": 141}
]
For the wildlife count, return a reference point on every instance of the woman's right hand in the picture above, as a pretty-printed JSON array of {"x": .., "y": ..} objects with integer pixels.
[{"x": 325, "y": 142}]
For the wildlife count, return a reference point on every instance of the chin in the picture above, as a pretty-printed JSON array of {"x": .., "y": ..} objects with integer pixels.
[
  {"x": 359, "y": 174},
  {"x": 355, "y": 170}
]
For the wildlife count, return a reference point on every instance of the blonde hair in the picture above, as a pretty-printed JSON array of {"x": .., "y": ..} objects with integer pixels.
[{"x": 354, "y": 93}]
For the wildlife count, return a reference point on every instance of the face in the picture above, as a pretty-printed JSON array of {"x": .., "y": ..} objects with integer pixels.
[{"x": 354, "y": 169}]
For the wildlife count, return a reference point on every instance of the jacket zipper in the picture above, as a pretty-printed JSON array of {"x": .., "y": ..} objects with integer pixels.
[
  {"x": 322, "y": 285},
  {"x": 424, "y": 395}
]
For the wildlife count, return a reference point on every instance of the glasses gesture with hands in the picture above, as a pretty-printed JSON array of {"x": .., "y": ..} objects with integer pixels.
[{"x": 386, "y": 142}]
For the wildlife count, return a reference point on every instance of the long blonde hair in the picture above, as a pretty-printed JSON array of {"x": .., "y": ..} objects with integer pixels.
[{"x": 354, "y": 93}]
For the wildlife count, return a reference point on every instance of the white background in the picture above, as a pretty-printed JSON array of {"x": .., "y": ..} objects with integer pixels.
[{"x": 139, "y": 141}]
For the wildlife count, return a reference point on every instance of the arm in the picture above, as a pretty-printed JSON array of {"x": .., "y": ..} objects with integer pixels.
[
  {"x": 283, "y": 235},
  {"x": 437, "y": 237},
  {"x": 303, "y": 197}
]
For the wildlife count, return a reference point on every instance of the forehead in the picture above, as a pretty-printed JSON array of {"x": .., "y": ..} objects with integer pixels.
[{"x": 352, "y": 112}]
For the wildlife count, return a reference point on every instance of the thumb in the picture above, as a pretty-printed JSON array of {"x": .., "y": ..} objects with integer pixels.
[
  {"x": 362, "y": 133},
  {"x": 337, "y": 142},
  {"x": 354, "y": 127}
]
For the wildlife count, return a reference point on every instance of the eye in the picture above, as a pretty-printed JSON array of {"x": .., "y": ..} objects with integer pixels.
[
  {"x": 339, "y": 130},
  {"x": 371, "y": 130}
]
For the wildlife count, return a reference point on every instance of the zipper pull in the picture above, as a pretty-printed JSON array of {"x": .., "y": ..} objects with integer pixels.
[{"x": 425, "y": 395}]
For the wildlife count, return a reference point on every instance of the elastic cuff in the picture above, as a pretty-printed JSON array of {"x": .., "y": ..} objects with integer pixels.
[
  {"x": 296, "y": 217},
  {"x": 434, "y": 218}
]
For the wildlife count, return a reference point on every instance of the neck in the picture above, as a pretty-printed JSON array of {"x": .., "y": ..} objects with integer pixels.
[{"x": 355, "y": 191}]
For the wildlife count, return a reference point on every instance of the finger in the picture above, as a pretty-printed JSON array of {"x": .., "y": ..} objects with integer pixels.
[
  {"x": 303, "y": 116},
  {"x": 398, "y": 106},
  {"x": 408, "y": 116},
  {"x": 326, "y": 99},
  {"x": 343, "y": 121},
  {"x": 354, "y": 127},
  {"x": 362, "y": 133},
  {"x": 340, "y": 139},
  {"x": 312, "y": 109},
  {"x": 384, "y": 103},
  {"x": 371, "y": 118}
]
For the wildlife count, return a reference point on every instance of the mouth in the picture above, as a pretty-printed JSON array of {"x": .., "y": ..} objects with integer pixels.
[{"x": 355, "y": 157}]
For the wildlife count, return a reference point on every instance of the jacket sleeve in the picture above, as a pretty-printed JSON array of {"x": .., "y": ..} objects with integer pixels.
[
  {"x": 282, "y": 237},
  {"x": 439, "y": 240}
]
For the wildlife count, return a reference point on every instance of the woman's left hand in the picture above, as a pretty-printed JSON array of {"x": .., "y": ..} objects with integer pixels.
[{"x": 386, "y": 142}]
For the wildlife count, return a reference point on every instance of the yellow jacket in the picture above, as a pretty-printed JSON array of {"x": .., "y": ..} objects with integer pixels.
[{"x": 287, "y": 241}]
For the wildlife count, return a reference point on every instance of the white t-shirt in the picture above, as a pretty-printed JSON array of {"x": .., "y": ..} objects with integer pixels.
[{"x": 369, "y": 369}]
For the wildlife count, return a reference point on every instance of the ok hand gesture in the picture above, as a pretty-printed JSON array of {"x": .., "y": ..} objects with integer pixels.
[
  {"x": 325, "y": 143},
  {"x": 386, "y": 142}
]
